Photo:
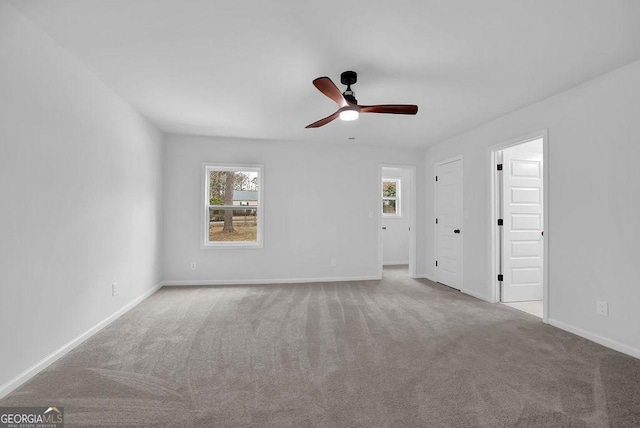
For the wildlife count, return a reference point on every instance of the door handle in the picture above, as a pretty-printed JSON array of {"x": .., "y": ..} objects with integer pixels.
[
  {"x": 384, "y": 227},
  {"x": 456, "y": 231}
]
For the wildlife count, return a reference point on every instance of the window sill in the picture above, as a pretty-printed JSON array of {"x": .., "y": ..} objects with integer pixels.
[{"x": 232, "y": 246}]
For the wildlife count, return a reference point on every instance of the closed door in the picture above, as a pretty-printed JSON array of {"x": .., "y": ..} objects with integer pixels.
[
  {"x": 522, "y": 229},
  {"x": 449, "y": 224}
]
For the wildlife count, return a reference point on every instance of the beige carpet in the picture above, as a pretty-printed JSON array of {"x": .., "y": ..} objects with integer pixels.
[{"x": 394, "y": 353}]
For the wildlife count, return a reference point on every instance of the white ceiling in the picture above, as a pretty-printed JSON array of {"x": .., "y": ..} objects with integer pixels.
[{"x": 244, "y": 68}]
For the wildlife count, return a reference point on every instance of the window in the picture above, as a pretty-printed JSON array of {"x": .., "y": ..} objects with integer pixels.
[
  {"x": 391, "y": 197},
  {"x": 232, "y": 206}
]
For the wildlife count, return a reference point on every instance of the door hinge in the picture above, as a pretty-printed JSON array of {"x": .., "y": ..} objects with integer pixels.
[
  {"x": 499, "y": 167},
  {"x": 436, "y": 263},
  {"x": 500, "y": 222},
  {"x": 500, "y": 277},
  {"x": 436, "y": 221}
]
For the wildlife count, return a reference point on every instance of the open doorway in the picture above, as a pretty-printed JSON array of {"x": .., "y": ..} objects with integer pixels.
[
  {"x": 397, "y": 214},
  {"x": 518, "y": 224}
]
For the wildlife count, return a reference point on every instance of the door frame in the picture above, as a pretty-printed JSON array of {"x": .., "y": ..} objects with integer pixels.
[
  {"x": 494, "y": 209},
  {"x": 411, "y": 213},
  {"x": 435, "y": 215}
]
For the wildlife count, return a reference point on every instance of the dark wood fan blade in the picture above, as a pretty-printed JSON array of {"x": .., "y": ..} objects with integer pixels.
[
  {"x": 324, "y": 121},
  {"x": 327, "y": 87},
  {"x": 390, "y": 108}
]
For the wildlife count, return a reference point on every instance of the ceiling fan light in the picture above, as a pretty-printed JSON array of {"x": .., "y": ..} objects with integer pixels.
[{"x": 348, "y": 115}]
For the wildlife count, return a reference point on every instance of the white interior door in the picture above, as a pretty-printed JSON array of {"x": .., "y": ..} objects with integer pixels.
[
  {"x": 449, "y": 224},
  {"x": 522, "y": 230}
]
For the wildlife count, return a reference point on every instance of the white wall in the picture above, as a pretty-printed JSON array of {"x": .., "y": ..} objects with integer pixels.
[
  {"x": 396, "y": 236},
  {"x": 317, "y": 205},
  {"x": 535, "y": 146},
  {"x": 80, "y": 191},
  {"x": 594, "y": 188}
]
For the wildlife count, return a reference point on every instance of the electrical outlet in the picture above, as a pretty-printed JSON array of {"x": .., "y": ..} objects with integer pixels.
[
  {"x": 114, "y": 289},
  {"x": 334, "y": 263},
  {"x": 193, "y": 265},
  {"x": 603, "y": 308}
]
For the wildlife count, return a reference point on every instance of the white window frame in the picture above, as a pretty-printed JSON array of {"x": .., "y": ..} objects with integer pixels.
[
  {"x": 205, "y": 243},
  {"x": 397, "y": 198}
]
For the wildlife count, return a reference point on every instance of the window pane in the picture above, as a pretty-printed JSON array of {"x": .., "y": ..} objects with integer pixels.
[
  {"x": 237, "y": 225},
  {"x": 388, "y": 189},
  {"x": 389, "y": 206},
  {"x": 233, "y": 188}
]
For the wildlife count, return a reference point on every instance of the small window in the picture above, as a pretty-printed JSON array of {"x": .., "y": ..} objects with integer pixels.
[
  {"x": 391, "y": 197},
  {"x": 232, "y": 206}
]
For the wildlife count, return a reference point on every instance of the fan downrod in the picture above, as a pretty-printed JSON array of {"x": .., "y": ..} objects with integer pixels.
[{"x": 349, "y": 78}]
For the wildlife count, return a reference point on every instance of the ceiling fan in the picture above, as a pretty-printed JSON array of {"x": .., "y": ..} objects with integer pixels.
[{"x": 348, "y": 108}]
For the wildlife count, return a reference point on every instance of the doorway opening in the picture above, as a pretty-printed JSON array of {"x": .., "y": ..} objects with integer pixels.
[
  {"x": 519, "y": 216},
  {"x": 397, "y": 202}
]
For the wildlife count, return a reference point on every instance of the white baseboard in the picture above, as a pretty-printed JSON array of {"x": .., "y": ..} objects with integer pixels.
[
  {"x": 609, "y": 343},
  {"x": 266, "y": 281},
  {"x": 60, "y": 352},
  {"x": 395, "y": 263}
]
